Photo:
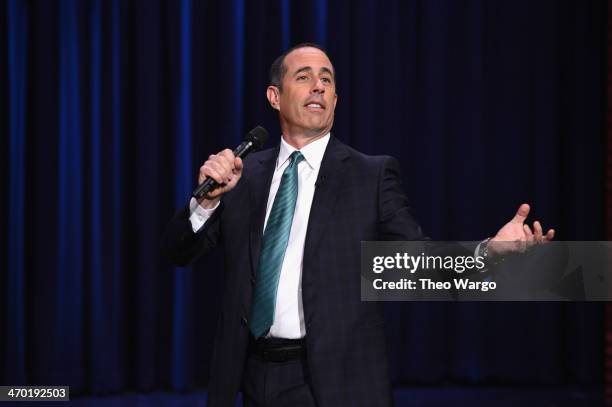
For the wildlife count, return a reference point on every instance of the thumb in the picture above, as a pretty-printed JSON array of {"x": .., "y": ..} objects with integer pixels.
[
  {"x": 238, "y": 164},
  {"x": 521, "y": 214}
]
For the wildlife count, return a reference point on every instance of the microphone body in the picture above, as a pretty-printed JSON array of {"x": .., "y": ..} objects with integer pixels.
[{"x": 252, "y": 142}]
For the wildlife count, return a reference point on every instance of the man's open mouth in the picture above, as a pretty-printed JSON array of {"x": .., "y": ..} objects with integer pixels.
[{"x": 313, "y": 106}]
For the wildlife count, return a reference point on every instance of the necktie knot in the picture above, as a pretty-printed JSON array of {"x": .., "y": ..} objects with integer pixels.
[{"x": 296, "y": 157}]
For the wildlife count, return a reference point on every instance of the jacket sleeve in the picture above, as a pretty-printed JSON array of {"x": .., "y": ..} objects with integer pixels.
[
  {"x": 181, "y": 245},
  {"x": 395, "y": 218}
]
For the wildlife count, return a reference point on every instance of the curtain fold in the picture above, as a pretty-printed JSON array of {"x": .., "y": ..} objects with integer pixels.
[
  {"x": 16, "y": 69},
  {"x": 182, "y": 330}
]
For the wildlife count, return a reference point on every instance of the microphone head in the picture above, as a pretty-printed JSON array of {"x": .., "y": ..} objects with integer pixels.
[{"x": 258, "y": 136}]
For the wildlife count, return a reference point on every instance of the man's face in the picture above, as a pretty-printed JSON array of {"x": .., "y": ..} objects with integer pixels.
[{"x": 308, "y": 98}]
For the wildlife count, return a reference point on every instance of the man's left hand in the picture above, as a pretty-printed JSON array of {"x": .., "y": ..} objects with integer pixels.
[{"x": 517, "y": 236}]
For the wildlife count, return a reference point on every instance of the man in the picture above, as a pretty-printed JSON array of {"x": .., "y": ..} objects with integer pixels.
[{"x": 293, "y": 330}]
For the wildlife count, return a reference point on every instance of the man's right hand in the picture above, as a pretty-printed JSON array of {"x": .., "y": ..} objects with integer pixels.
[{"x": 224, "y": 168}]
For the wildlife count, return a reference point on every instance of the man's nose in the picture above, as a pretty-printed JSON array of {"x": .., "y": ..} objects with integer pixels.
[{"x": 318, "y": 87}]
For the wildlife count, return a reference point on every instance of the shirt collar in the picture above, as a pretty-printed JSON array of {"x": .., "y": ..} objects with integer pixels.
[{"x": 312, "y": 152}]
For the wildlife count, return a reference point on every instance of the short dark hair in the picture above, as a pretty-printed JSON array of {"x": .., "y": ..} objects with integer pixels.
[{"x": 278, "y": 69}]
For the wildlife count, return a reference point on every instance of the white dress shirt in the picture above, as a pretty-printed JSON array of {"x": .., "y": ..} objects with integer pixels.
[{"x": 289, "y": 313}]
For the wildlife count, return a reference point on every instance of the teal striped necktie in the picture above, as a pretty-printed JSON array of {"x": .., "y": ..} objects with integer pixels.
[{"x": 273, "y": 247}]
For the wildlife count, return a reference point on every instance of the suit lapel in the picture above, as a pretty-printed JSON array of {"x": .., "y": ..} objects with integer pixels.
[
  {"x": 326, "y": 194},
  {"x": 259, "y": 189}
]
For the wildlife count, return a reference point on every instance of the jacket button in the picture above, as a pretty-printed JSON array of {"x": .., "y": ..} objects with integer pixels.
[
  {"x": 244, "y": 321},
  {"x": 252, "y": 281}
]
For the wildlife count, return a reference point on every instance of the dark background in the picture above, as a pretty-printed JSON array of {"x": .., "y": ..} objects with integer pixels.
[{"x": 107, "y": 109}]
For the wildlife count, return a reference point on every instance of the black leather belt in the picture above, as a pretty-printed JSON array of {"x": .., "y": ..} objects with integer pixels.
[{"x": 277, "y": 349}]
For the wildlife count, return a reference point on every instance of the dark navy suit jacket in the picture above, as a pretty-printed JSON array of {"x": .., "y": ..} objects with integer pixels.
[{"x": 358, "y": 198}]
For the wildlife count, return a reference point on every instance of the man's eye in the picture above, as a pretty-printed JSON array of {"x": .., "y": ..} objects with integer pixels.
[
  {"x": 326, "y": 80},
  {"x": 302, "y": 77}
]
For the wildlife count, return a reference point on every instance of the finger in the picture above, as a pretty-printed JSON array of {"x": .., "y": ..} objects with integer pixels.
[
  {"x": 227, "y": 163},
  {"x": 537, "y": 228},
  {"x": 528, "y": 232},
  {"x": 521, "y": 214},
  {"x": 210, "y": 158},
  {"x": 222, "y": 168},
  {"x": 238, "y": 165},
  {"x": 528, "y": 239},
  {"x": 236, "y": 172},
  {"x": 228, "y": 155},
  {"x": 201, "y": 175},
  {"x": 217, "y": 166},
  {"x": 550, "y": 235},
  {"x": 213, "y": 173}
]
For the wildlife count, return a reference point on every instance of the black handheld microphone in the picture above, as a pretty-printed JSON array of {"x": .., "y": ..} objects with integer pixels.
[{"x": 252, "y": 142}]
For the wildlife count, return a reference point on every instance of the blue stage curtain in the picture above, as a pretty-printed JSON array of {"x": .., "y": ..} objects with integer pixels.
[
  {"x": 14, "y": 88},
  {"x": 108, "y": 108}
]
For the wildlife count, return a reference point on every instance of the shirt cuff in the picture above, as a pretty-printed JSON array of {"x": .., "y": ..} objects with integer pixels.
[{"x": 198, "y": 215}]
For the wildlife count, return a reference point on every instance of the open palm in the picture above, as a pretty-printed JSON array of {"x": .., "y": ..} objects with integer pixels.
[{"x": 517, "y": 236}]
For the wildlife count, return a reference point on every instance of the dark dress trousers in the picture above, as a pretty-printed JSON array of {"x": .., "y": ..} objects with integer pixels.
[{"x": 358, "y": 197}]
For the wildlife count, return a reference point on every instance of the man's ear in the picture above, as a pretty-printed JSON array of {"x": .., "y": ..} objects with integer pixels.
[{"x": 273, "y": 94}]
